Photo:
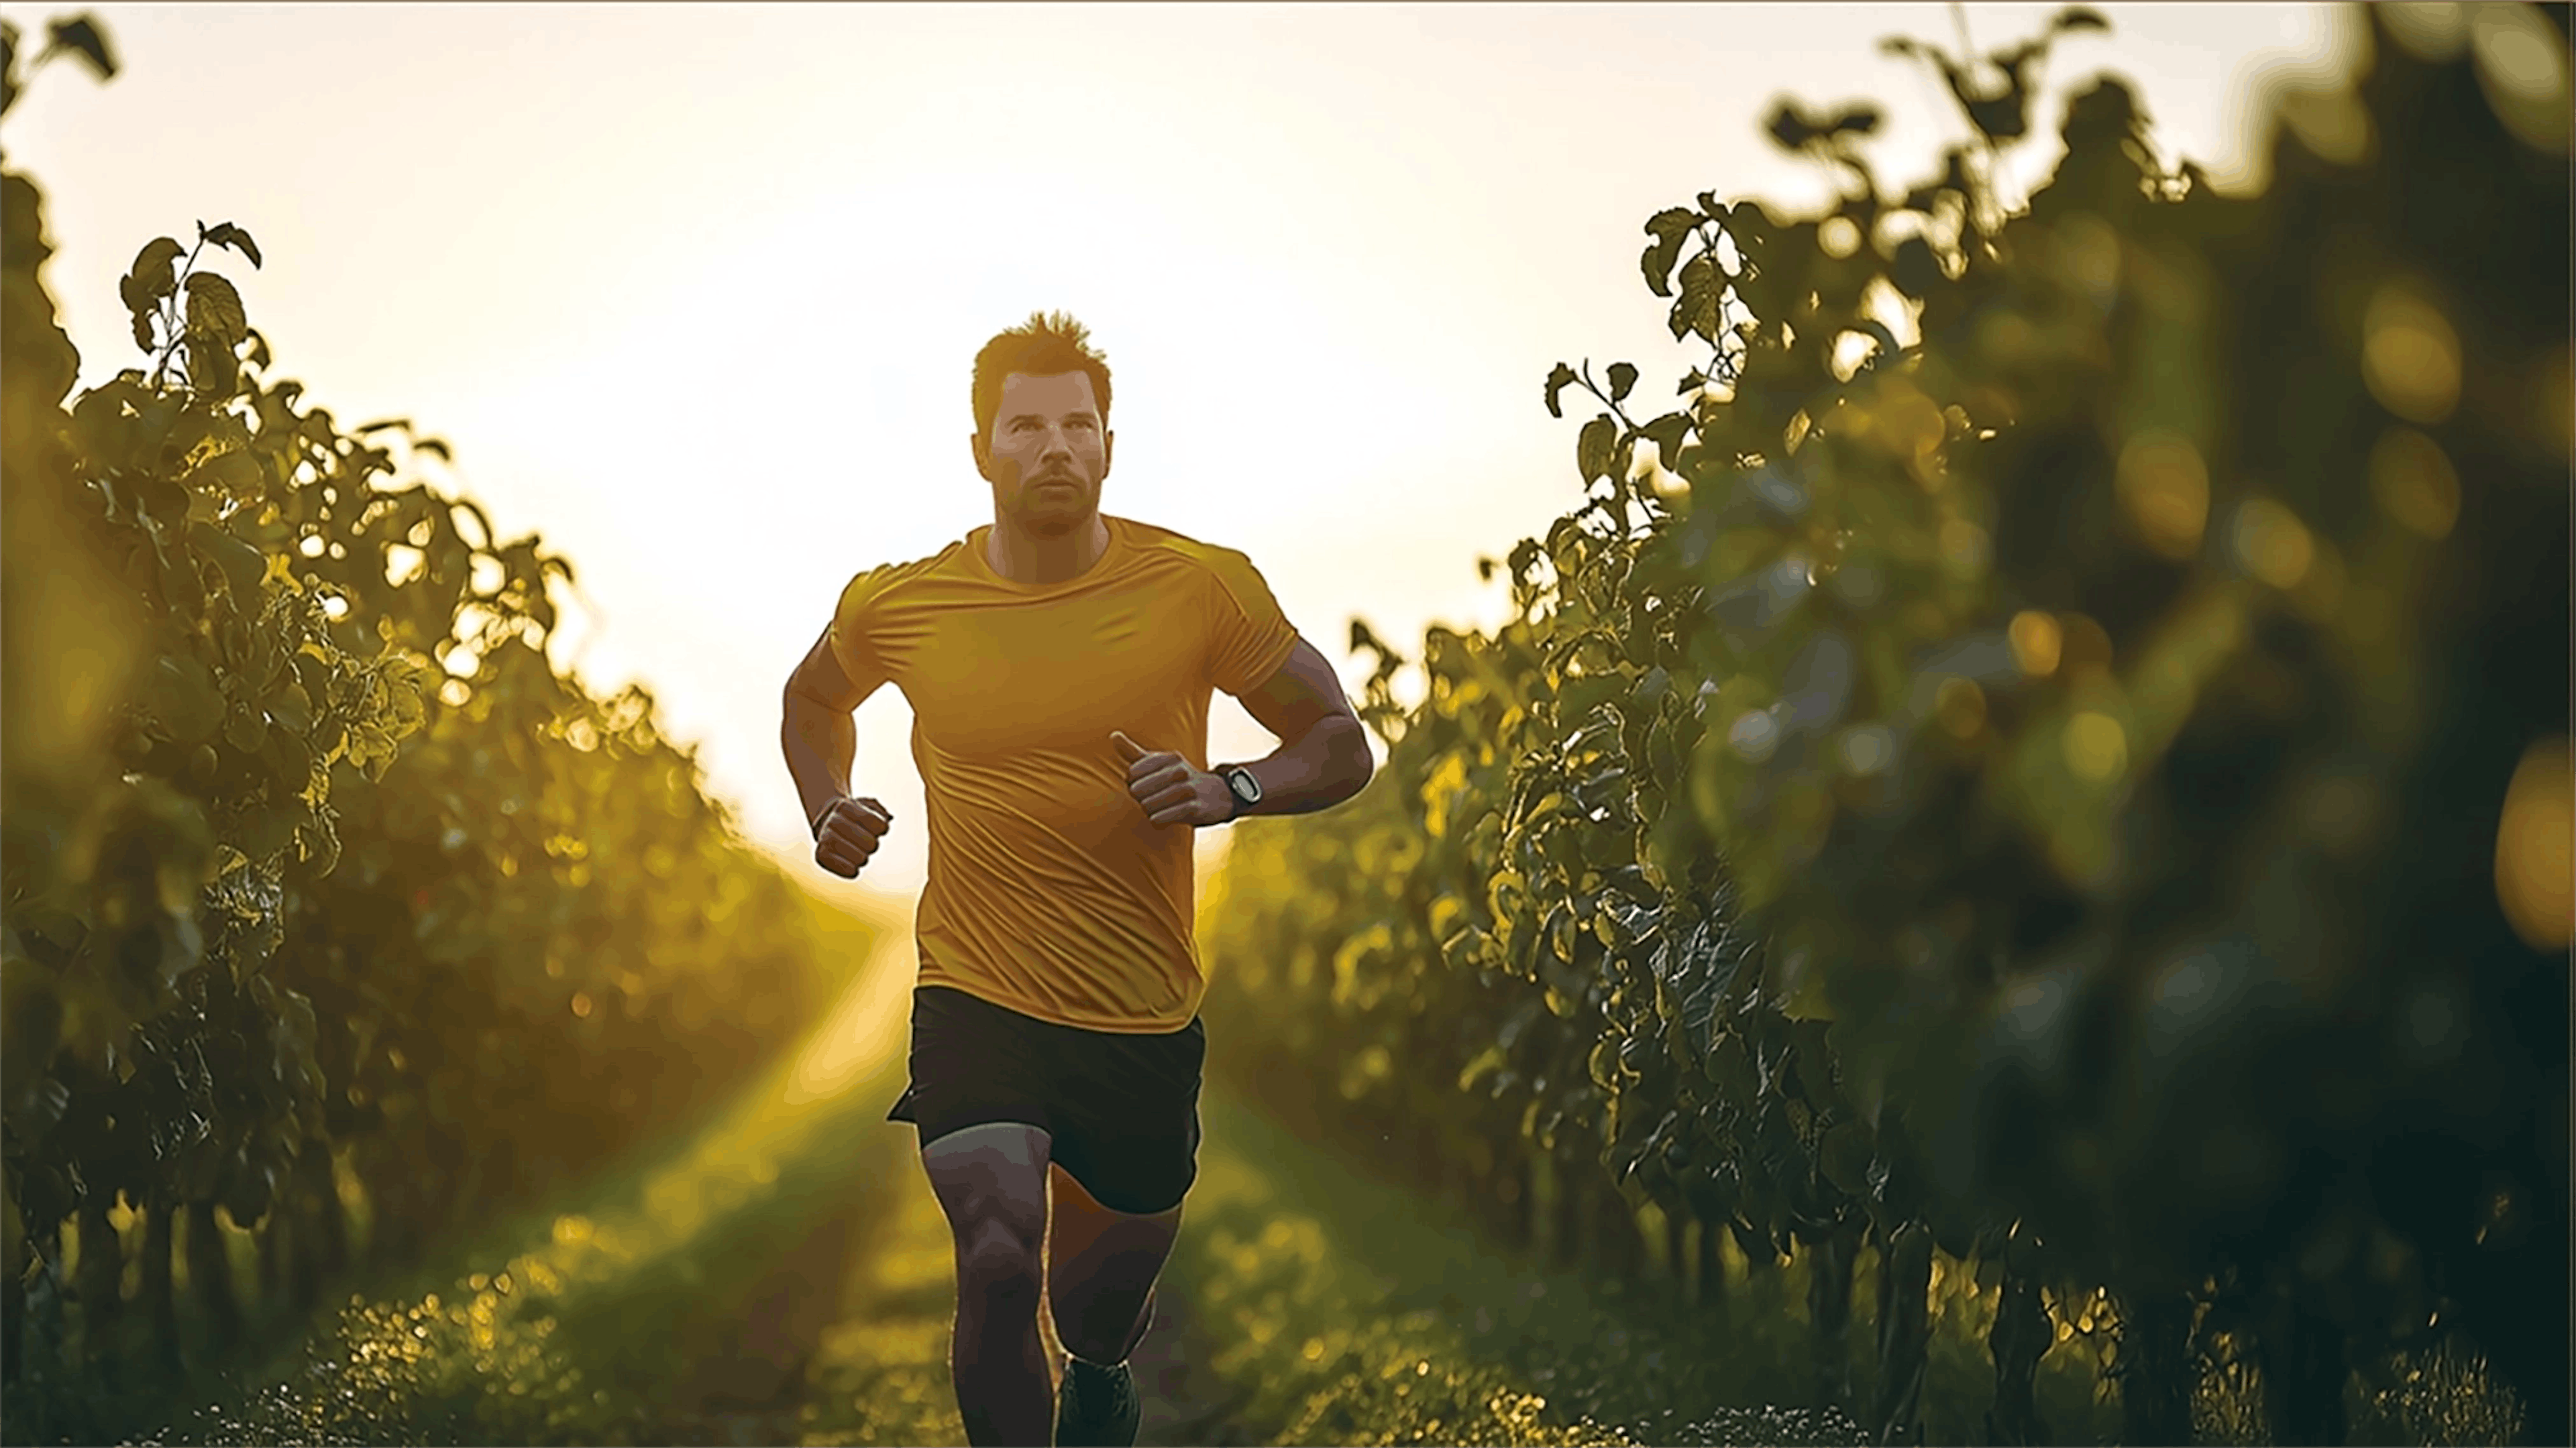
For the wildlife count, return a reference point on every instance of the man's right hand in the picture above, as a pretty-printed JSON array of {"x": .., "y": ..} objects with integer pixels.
[{"x": 847, "y": 832}]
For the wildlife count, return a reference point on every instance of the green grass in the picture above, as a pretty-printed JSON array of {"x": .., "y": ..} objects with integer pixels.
[
  {"x": 657, "y": 1301},
  {"x": 1343, "y": 1308},
  {"x": 1347, "y": 1310}
]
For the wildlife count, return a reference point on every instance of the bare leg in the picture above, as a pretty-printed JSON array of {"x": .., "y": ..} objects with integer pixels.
[
  {"x": 1101, "y": 1269},
  {"x": 991, "y": 1181}
]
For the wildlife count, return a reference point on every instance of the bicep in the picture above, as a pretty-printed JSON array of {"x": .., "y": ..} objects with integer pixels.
[
  {"x": 1301, "y": 693},
  {"x": 820, "y": 679}
]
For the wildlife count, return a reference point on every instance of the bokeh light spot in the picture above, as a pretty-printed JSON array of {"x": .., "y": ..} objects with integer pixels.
[
  {"x": 2272, "y": 543},
  {"x": 2097, "y": 748},
  {"x": 2035, "y": 643},
  {"x": 1961, "y": 706},
  {"x": 2332, "y": 123},
  {"x": 2434, "y": 32},
  {"x": 2522, "y": 67},
  {"x": 2414, "y": 481},
  {"x": 1754, "y": 735},
  {"x": 2164, "y": 484},
  {"x": 2410, "y": 356},
  {"x": 1867, "y": 749},
  {"x": 2535, "y": 845}
]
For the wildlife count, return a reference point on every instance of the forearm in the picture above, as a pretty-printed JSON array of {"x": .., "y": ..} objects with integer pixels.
[
  {"x": 1317, "y": 770},
  {"x": 820, "y": 744}
]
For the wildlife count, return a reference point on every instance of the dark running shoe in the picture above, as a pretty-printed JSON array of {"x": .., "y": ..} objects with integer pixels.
[{"x": 1097, "y": 1407}]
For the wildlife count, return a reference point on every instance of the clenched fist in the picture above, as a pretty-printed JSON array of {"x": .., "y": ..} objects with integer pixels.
[
  {"x": 1171, "y": 792},
  {"x": 847, "y": 832}
]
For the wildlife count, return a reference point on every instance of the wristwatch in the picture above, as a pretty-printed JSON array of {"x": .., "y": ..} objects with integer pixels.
[{"x": 1240, "y": 783}]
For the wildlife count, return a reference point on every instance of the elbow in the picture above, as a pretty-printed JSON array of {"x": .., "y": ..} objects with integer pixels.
[{"x": 1351, "y": 753}]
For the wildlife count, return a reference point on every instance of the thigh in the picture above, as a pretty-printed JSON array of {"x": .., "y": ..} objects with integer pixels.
[
  {"x": 1087, "y": 1241},
  {"x": 1125, "y": 1124},
  {"x": 991, "y": 1181}
]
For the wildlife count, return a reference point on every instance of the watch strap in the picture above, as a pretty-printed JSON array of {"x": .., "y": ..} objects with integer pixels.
[{"x": 1227, "y": 773}]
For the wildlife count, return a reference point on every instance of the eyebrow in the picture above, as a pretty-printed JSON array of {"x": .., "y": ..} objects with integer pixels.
[{"x": 1082, "y": 414}]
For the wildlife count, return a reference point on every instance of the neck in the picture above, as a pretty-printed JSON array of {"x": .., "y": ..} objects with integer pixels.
[{"x": 1024, "y": 557}]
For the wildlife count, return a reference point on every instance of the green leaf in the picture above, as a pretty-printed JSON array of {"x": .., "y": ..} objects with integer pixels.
[
  {"x": 1697, "y": 309},
  {"x": 100, "y": 424},
  {"x": 1557, "y": 381},
  {"x": 227, "y": 234},
  {"x": 243, "y": 566},
  {"x": 237, "y": 474},
  {"x": 81, "y": 36},
  {"x": 267, "y": 831},
  {"x": 1917, "y": 268},
  {"x": 2005, "y": 117},
  {"x": 213, "y": 371},
  {"x": 1667, "y": 433},
  {"x": 245, "y": 729},
  {"x": 1486, "y": 1062},
  {"x": 155, "y": 271},
  {"x": 1790, "y": 125},
  {"x": 1857, "y": 121},
  {"x": 1670, "y": 228},
  {"x": 319, "y": 842},
  {"x": 184, "y": 698},
  {"x": 1622, "y": 377},
  {"x": 215, "y": 309},
  {"x": 1592, "y": 450}
]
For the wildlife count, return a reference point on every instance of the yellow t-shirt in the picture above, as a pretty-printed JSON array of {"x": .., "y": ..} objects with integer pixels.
[{"x": 1049, "y": 892}]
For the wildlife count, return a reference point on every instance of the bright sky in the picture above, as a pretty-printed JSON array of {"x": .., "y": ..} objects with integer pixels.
[{"x": 695, "y": 290}]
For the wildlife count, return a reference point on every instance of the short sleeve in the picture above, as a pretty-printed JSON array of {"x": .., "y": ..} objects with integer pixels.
[
  {"x": 850, "y": 635},
  {"x": 1249, "y": 636}
]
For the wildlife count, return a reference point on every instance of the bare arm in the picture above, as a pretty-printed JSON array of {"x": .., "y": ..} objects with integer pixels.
[
  {"x": 821, "y": 741},
  {"x": 1322, "y": 759},
  {"x": 1323, "y": 755}
]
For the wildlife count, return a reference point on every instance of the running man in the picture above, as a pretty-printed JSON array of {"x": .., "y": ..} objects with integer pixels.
[{"x": 1060, "y": 664}]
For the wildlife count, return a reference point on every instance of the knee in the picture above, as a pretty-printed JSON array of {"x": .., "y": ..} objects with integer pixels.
[{"x": 997, "y": 1273}]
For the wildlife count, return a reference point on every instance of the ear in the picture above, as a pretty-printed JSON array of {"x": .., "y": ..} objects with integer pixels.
[
  {"x": 983, "y": 455},
  {"x": 1108, "y": 450}
]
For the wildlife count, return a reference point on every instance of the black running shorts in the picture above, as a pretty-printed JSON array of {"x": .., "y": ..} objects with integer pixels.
[{"x": 1122, "y": 1110}]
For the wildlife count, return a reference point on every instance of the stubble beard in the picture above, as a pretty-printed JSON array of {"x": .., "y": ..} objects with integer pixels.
[{"x": 1053, "y": 514}]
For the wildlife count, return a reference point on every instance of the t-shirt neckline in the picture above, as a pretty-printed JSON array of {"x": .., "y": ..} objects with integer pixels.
[{"x": 981, "y": 538}]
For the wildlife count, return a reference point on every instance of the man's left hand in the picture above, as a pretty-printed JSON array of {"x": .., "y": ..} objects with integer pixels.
[{"x": 1171, "y": 792}]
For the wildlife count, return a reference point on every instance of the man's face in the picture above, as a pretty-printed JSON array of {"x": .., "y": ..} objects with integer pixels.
[{"x": 1048, "y": 453}]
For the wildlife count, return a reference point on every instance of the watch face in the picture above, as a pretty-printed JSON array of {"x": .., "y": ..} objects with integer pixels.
[{"x": 1245, "y": 787}]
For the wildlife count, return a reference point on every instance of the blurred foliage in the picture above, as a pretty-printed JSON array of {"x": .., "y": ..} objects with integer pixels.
[
  {"x": 640, "y": 1308},
  {"x": 2058, "y": 741},
  {"x": 320, "y": 882}
]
